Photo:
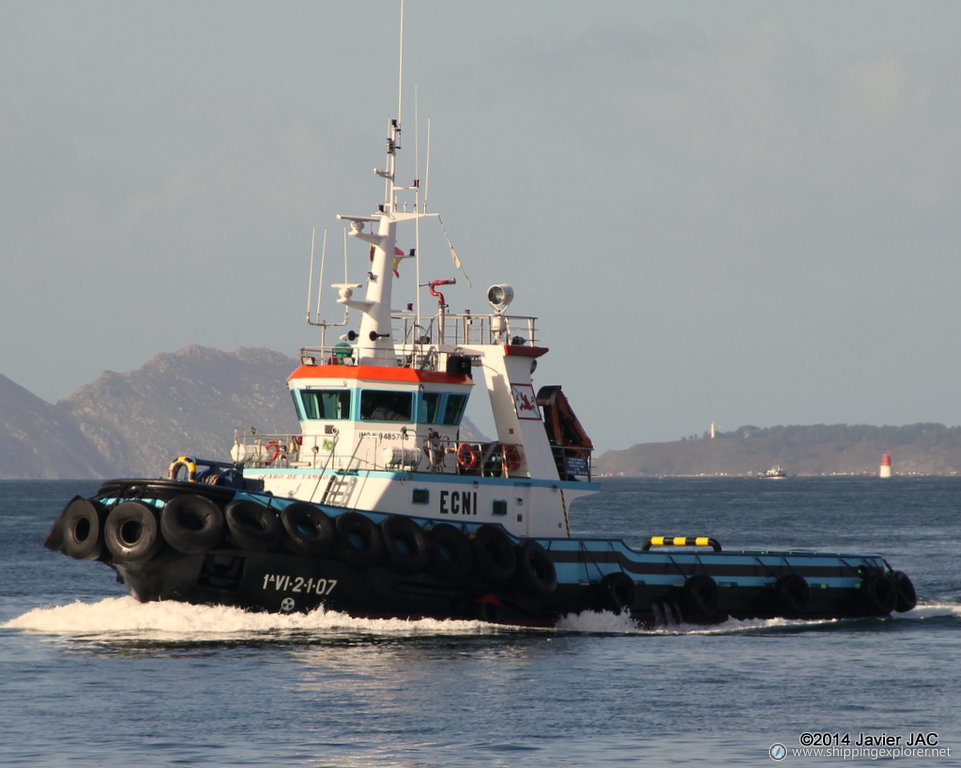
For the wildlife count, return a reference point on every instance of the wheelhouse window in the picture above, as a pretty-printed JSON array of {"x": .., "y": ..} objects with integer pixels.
[
  {"x": 386, "y": 405},
  {"x": 323, "y": 404},
  {"x": 440, "y": 408},
  {"x": 429, "y": 410},
  {"x": 454, "y": 409}
]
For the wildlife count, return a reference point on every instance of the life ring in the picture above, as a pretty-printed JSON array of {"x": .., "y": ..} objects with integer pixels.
[
  {"x": 467, "y": 457},
  {"x": 535, "y": 568},
  {"x": 272, "y": 450},
  {"x": 80, "y": 529},
  {"x": 191, "y": 523},
  {"x": 793, "y": 595},
  {"x": 451, "y": 555},
  {"x": 132, "y": 533},
  {"x": 310, "y": 530},
  {"x": 618, "y": 592},
  {"x": 700, "y": 592},
  {"x": 253, "y": 527},
  {"x": 495, "y": 558},
  {"x": 182, "y": 462},
  {"x": 405, "y": 543},
  {"x": 512, "y": 458},
  {"x": 359, "y": 542},
  {"x": 877, "y": 595},
  {"x": 905, "y": 596}
]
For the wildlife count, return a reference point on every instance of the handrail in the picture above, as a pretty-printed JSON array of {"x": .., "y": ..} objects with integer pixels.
[
  {"x": 422, "y": 341},
  {"x": 682, "y": 541}
]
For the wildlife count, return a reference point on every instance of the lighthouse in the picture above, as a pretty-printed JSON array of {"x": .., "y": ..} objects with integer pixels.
[{"x": 885, "y": 466}]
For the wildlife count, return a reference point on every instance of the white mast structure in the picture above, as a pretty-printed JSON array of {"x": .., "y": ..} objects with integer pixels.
[{"x": 375, "y": 345}]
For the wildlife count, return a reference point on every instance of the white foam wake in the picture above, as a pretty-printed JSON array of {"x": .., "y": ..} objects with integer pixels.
[
  {"x": 933, "y": 611},
  {"x": 125, "y": 617},
  {"x": 605, "y": 623}
]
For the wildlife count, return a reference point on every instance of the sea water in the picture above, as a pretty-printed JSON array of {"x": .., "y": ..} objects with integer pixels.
[{"x": 88, "y": 676}]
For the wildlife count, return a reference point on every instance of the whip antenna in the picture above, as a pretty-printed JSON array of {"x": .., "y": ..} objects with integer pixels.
[
  {"x": 400, "y": 64},
  {"x": 310, "y": 273}
]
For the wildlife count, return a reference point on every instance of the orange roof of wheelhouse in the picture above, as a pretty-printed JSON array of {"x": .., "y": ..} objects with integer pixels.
[{"x": 378, "y": 373}]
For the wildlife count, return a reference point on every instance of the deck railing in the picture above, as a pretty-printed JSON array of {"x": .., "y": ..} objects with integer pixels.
[
  {"x": 417, "y": 344},
  {"x": 477, "y": 458}
]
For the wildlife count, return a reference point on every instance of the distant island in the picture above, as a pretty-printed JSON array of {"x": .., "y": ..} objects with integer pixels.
[
  {"x": 190, "y": 401},
  {"x": 821, "y": 449}
]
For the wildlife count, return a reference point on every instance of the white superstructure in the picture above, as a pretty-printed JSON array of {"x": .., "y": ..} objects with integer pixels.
[{"x": 381, "y": 410}]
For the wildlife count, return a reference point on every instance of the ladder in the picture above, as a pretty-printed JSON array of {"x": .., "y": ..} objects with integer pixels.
[{"x": 339, "y": 486}]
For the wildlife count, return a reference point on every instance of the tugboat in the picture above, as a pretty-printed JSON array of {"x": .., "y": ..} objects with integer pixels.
[{"x": 382, "y": 506}]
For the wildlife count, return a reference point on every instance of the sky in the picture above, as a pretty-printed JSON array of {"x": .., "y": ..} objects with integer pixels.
[{"x": 743, "y": 213}]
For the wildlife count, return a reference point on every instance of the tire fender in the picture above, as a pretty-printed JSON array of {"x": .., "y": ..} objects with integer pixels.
[
  {"x": 192, "y": 524},
  {"x": 309, "y": 529},
  {"x": 253, "y": 527},
  {"x": 451, "y": 555},
  {"x": 81, "y": 529},
  {"x": 359, "y": 542},
  {"x": 132, "y": 533},
  {"x": 618, "y": 592},
  {"x": 700, "y": 591},
  {"x": 905, "y": 596},
  {"x": 793, "y": 595},
  {"x": 405, "y": 544},
  {"x": 535, "y": 568},
  {"x": 495, "y": 558}
]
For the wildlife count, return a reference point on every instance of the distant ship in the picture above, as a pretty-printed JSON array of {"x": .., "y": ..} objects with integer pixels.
[{"x": 777, "y": 472}]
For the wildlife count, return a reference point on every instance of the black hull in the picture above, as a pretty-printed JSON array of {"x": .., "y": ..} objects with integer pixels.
[{"x": 258, "y": 553}]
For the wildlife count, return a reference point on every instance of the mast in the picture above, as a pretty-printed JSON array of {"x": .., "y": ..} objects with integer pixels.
[{"x": 375, "y": 346}]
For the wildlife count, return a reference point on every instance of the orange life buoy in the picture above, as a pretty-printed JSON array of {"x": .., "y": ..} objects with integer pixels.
[
  {"x": 273, "y": 451},
  {"x": 512, "y": 458},
  {"x": 466, "y": 456}
]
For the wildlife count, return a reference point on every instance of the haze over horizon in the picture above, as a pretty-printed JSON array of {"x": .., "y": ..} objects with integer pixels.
[{"x": 740, "y": 213}]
